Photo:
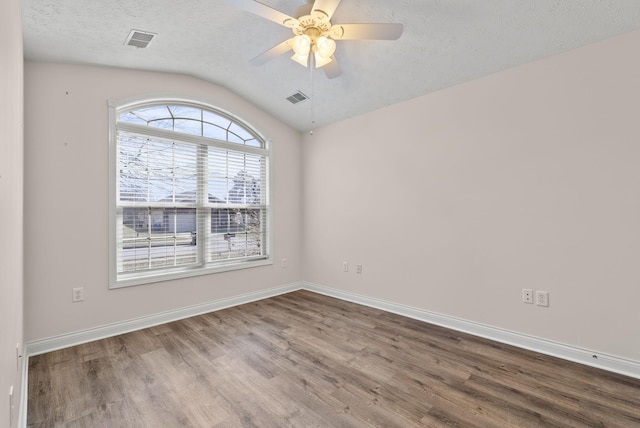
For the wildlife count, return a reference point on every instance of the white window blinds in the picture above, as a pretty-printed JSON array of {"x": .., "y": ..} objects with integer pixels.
[{"x": 191, "y": 193}]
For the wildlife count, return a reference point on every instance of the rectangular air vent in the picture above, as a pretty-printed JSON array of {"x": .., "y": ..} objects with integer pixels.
[
  {"x": 297, "y": 97},
  {"x": 139, "y": 39}
]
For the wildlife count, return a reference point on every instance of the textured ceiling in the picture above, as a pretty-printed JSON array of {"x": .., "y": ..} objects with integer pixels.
[{"x": 445, "y": 42}]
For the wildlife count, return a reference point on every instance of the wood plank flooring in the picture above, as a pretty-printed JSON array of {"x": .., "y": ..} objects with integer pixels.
[{"x": 307, "y": 360}]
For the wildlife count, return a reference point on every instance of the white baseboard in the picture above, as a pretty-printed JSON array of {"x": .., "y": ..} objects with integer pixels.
[
  {"x": 83, "y": 336},
  {"x": 543, "y": 346},
  {"x": 24, "y": 378},
  {"x": 567, "y": 352}
]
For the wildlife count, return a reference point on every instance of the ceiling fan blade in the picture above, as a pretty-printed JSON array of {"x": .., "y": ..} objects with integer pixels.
[
  {"x": 332, "y": 69},
  {"x": 366, "y": 31},
  {"x": 264, "y": 11},
  {"x": 325, "y": 7},
  {"x": 272, "y": 53}
]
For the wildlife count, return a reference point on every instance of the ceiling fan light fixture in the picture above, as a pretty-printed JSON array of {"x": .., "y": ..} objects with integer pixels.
[
  {"x": 314, "y": 33},
  {"x": 320, "y": 60},
  {"x": 303, "y": 60},
  {"x": 301, "y": 45},
  {"x": 325, "y": 47}
]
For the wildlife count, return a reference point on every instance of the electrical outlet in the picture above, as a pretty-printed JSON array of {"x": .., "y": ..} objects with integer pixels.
[
  {"x": 345, "y": 267},
  {"x": 542, "y": 298},
  {"x": 283, "y": 263},
  {"x": 78, "y": 294},
  {"x": 527, "y": 295},
  {"x": 359, "y": 269}
]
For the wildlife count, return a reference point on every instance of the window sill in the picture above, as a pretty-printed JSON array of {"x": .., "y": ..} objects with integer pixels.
[{"x": 186, "y": 273}]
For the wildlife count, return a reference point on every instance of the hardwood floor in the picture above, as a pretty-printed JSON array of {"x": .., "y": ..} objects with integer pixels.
[{"x": 307, "y": 360}]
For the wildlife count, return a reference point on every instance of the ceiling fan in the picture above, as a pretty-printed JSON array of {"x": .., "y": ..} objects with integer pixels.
[{"x": 314, "y": 34}]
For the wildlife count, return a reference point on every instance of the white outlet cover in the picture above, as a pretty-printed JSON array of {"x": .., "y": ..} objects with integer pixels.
[
  {"x": 77, "y": 294},
  {"x": 542, "y": 298}
]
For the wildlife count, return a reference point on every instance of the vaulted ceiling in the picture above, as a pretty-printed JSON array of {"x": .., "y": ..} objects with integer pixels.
[{"x": 445, "y": 42}]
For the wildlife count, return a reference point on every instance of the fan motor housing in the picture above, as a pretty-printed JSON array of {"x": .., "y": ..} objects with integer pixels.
[{"x": 308, "y": 22}]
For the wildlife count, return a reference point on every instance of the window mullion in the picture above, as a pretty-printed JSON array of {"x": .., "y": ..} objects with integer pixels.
[
  {"x": 119, "y": 238},
  {"x": 203, "y": 212},
  {"x": 149, "y": 230},
  {"x": 148, "y": 172}
]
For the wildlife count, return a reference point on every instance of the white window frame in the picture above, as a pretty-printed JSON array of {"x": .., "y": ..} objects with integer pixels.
[{"x": 118, "y": 106}]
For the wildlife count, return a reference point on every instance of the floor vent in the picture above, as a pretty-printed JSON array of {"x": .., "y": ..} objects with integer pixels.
[
  {"x": 139, "y": 39},
  {"x": 297, "y": 97}
]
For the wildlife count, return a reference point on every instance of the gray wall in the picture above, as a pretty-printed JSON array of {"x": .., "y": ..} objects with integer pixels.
[
  {"x": 66, "y": 217},
  {"x": 11, "y": 192},
  {"x": 455, "y": 201}
]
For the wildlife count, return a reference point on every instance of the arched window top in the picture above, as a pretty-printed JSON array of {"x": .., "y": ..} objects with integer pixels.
[
  {"x": 189, "y": 191},
  {"x": 193, "y": 120}
]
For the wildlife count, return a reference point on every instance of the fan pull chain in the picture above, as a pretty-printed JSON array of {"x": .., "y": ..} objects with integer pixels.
[{"x": 313, "y": 118}]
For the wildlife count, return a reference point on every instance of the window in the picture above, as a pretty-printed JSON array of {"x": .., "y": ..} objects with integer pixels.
[{"x": 189, "y": 192}]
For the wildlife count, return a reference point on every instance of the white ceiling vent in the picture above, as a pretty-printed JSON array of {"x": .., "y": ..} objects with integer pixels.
[
  {"x": 297, "y": 97},
  {"x": 139, "y": 39}
]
